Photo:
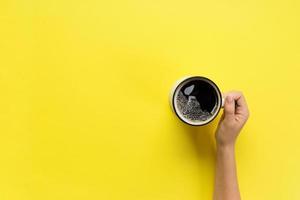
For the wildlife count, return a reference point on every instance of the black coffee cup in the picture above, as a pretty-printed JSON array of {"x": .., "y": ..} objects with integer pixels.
[{"x": 196, "y": 100}]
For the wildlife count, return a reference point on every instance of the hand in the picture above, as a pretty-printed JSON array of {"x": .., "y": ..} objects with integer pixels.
[{"x": 234, "y": 117}]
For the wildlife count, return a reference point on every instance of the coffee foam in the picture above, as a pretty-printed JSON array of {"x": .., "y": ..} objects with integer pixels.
[{"x": 191, "y": 109}]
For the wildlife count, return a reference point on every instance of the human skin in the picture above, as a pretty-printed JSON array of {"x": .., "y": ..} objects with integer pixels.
[{"x": 234, "y": 117}]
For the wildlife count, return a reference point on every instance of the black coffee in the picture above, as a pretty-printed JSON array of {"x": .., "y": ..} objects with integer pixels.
[{"x": 197, "y": 100}]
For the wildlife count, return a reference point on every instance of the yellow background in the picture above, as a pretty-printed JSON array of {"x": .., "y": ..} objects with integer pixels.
[{"x": 84, "y": 87}]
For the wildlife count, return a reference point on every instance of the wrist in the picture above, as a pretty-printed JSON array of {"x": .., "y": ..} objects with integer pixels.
[{"x": 225, "y": 147}]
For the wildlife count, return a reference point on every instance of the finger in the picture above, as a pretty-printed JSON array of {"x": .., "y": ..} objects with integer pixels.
[
  {"x": 241, "y": 104},
  {"x": 229, "y": 106}
]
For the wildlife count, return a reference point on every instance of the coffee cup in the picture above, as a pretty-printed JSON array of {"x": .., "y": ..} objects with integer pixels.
[{"x": 196, "y": 100}]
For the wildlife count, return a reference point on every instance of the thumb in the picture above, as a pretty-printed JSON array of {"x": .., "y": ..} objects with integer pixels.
[{"x": 229, "y": 107}]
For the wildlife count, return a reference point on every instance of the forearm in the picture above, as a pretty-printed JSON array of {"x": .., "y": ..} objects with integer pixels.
[{"x": 226, "y": 184}]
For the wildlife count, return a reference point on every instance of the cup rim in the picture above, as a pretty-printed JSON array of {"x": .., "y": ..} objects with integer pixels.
[{"x": 186, "y": 80}]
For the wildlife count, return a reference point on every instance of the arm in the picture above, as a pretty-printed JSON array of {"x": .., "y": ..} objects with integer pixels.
[{"x": 232, "y": 121}]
